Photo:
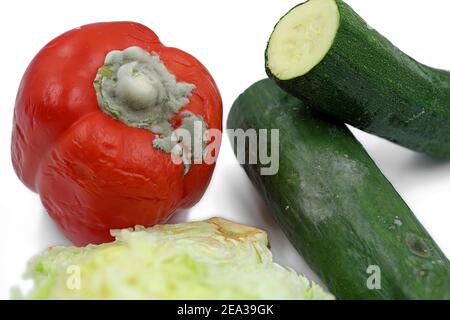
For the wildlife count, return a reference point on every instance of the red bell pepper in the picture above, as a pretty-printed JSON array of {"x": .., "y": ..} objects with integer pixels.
[{"x": 98, "y": 168}]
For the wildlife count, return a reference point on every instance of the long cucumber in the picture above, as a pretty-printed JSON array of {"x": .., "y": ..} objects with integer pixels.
[{"x": 336, "y": 206}]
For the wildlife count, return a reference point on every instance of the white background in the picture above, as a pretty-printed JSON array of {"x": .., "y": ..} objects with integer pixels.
[{"x": 229, "y": 37}]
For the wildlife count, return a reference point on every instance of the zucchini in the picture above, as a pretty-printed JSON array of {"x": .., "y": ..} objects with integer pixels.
[
  {"x": 324, "y": 53},
  {"x": 335, "y": 205}
]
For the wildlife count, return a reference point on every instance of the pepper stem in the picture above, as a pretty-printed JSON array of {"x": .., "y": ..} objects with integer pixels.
[{"x": 135, "y": 87}]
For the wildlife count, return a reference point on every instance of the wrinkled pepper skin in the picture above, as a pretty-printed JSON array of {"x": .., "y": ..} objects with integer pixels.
[{"x": 93, "y": 172}]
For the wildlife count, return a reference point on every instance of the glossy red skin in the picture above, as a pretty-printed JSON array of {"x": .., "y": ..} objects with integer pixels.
[{"x": 94, "y": 173}]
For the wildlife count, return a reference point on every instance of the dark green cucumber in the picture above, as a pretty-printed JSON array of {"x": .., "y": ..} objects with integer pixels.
[
  {"x": 361, "y": 79},
  {"x": 336, "y": 206}
]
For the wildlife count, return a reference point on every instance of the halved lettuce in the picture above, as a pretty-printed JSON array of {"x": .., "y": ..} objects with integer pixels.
[{"x": 213, "y": 259}]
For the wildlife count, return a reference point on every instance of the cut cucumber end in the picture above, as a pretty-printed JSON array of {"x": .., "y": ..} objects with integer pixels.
[{"x": 302, "y": 38}]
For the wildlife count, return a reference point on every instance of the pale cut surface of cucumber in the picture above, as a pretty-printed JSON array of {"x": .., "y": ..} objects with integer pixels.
[{"x": 302, "y": 38}]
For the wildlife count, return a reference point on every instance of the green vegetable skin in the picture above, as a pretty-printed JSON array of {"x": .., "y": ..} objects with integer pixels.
[
  {"x": 213, "y": 259},
  {"x": 335, "y": 205},
  {"x": 361, "y": 79}
]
